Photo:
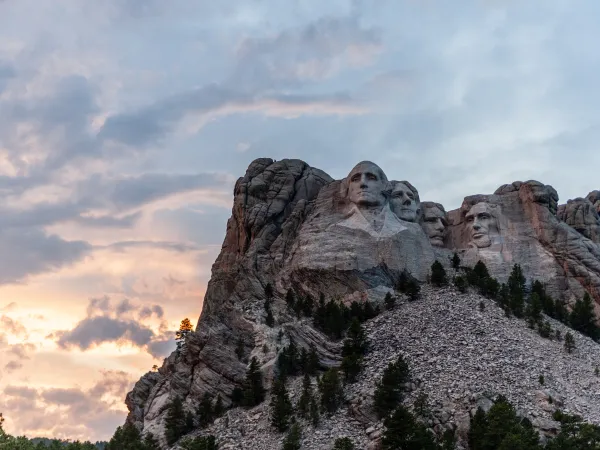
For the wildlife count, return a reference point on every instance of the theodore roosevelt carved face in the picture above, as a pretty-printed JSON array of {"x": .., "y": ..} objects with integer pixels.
[{"x": 434, "y": 223}]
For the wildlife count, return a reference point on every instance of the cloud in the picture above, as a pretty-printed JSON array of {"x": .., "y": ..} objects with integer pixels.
[
  {"x": 30, "y": 251},
  {"x": 309, "y": 53},
  {"x": 74, "y": 413},
  {"x": 108, "y": 323},
  {"x": 97, "y": 330}
]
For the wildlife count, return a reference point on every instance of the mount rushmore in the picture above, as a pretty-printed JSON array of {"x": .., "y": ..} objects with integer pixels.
[{"x": 294, "y": 227}]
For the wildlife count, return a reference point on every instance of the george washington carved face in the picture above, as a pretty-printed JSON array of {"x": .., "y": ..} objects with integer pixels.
[
  {"x": 482, "y": 224},
  {"x": 366, "y": 185}
]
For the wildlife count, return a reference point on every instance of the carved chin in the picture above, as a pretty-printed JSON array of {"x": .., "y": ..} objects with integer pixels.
[
  {"x": 409, "y": 216},
  {"x": 436, "y": 241},
  {"x": 481, "y": 241}
]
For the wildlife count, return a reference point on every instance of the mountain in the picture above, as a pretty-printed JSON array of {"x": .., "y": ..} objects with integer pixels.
[{"x": 294, "y": 231}]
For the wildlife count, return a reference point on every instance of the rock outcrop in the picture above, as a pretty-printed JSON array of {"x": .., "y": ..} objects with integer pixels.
[
  {"x": 581, "y": 215},
  {"x": 294, "y": 227}
]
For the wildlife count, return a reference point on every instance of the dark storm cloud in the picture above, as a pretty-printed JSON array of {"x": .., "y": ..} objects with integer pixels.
[
  {"x": 30, "y": 251},
  {"x": 97, "y": 330}
]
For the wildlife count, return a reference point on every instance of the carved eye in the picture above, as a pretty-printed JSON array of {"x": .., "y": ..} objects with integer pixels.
[
  {"x": 371, "y": 176},
  {"x": 484, "y": 216},
  {"x": 469, "y": 218},
  {"x": 355, "y": 177},
  {"x": 397, "y": 194},
  {"x": 431, "y": 219}
]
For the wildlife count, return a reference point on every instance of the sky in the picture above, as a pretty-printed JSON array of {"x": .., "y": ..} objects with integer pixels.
[{"x": 125, "y": 123}]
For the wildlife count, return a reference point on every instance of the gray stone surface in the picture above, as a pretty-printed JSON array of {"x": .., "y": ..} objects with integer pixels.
[
  {"x": 594, "y": 198},
  {"x": 294, "y": 227},
  {"x": 581, "y": 215}
]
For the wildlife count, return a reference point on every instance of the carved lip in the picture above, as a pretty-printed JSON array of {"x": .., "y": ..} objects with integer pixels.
[{"x": 478, "y": 235}]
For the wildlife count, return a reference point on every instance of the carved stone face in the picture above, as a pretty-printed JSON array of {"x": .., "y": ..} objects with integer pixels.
[
  {"x": 545, "y": 195},
  {"x": 366, "y": 185},
  {"x": 403, "y": 202},
  {"x": 434, "y": 224},
  {"x": 481, "y": 224}
]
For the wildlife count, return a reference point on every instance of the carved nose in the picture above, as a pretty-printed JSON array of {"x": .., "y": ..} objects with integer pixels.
[
  {"x": 476, "y": 226},
  {"x": 363, "y": 185},
  {"x": 407, "y": 202}
]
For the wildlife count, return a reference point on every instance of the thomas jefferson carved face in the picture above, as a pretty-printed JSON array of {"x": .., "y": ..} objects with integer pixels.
[
  {"x": 366, "y": 185},
  {"x": 434, "y": 223},
  {"x": 404, "y": 201},
  {"x": 482, "y": 224}
]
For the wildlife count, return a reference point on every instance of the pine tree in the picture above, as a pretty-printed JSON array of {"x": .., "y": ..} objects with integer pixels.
[
  {"x": 315, "y": 417},
  {"x": 239, "y": 348},
  {"x": 219, "y": 409},
  {"x": 534, "y": 308},
  {"x": 205, "y": 411},
  {"x": 175, "y": 421},
  {"x": 150, "y": 442},
  {"x": 569, "y": 342},
  {"x": 254, "y": 392},
  {"x": 269, "y": 319},
  {"x": 461, "y": 283},
  {"x": 185, "y": 328},
  {"x": 269, "y": 291},
  {"x": 388, "y": 391},
  {"x": 292, "y": 440},
  {"x": 404, "y": 432},
  {"x": 200, "y": 443},
  {"x": 290, "y": 299},
  {"x": 308, "y": 305},
  {"x": 355, "y": 346},
  {"x": 455, "y": 261},
  {"x": 438, "y": 274},
  {"x": 332, "y": 393},
  {"x": 477, "y": 430},
  {"x": 281, "y": 407},
  {"x": 312, "y": 363},
  {"x": 583, "y": 317},
  {"x": 516, "y": 288},
  {"x": 390, "y": 301},
  {"x": 237, "y": 396},
  {"x": 344, "y": 443},
  {"x": 305, "y": 398},
  {"x": 408, "y": 285}
]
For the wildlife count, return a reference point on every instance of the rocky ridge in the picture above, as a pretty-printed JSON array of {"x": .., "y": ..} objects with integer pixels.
[{"x": 292, "y": 226}]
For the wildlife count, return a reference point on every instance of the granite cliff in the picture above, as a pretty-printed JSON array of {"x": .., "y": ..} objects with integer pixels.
[{"x": 294, "y": 227}]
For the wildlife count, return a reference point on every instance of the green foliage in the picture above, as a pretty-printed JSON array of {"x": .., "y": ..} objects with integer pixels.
[
  {"x": 501, "y": 428},
  {"x": 176, "y": 424},
  {"x": 356, "y": 341},
  {"x": 583, "y": 318},
  {"x": 269, "y": 291},
  {"x": 388, "y": 391},
  {"x": 253, "y": 391},
  {"x": 438, "y": 274},
  {"x": 569, "y": 342},
  {"x": 545, "y": 329},
  {"x": 281, "y": 406},
  {"x": 534, "y": 308},
  {"x": 421, "y": 405},
  {"x": 390, "y": 301},
  {"x": 541, "y": 379},
  {"x": 303, "y": 405},
  {"x": 404, "y": 432},
  {"x": 409, "y": 285},
  {"x": 516, "y": 289},
  {"x": 455, "y": 261},
  {"x": 237, "y": 396},
  {"x": 333, "y": 318},
  {"x": 344, "y": 443},
  {"x": 461, "y": 283},
  {"x": 200, "y": 443},
  {"x": 315, "y": 416},
  {"x": 205, "y": 411},
  {"x": 292, "y": 440},
  {"x": 332, "y": 393},
  {"x": 291, "y": 362}
]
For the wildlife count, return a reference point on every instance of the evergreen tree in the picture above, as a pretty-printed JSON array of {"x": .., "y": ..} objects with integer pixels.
[
  {"x": 239, "y": 348},
  {"x": 533, "y": 311},
  {"x": 455, "y": 261},
  {"x": 219, "y": 409},
  {"x": 305, "y": 398},
  {"x": 461, "y": 283},
  {"x": 314, "y": 412},
  {"x": 561, "y": 313},
  {"x": 200, "y": 443},
  {"x": 281, "y": 407},
  {"x": 312, "y": 364},
  {"x": 254, "y": 392},
  {"x": 185, "y": 328},
  {"x": 332, "y": 393},
  {"x": 127, "y": 437},
  {"x": 150, "y": 442},
  {"x": 290, "y": 299},
  {"x": 420, "y": 405},
  {"x": 407, "y": 284},
  {"x": 344, "y": 443},
  {"x": 175, "y": 422},
  {"x": 269, "y": 319},
  {"x": 477, "y": 430},
  {"x": 388, "y": 391},
  {"x": 583, "y": 318},
  {"x": 205, "y": 411},
  {"x": 516, "y": 288},
  {"x": 292, "y": 440},
  {"x": 308, "y": 305},
  {"x": 389, "y": 301},
  {"x": 269, "y": 291},
  {"x": 569, "y": 342},
  {"x": 438, "y": 274},
  {"x": 237, "y": 396},
  {"x": 355, "y": 346},
  {"x": 404, "y": 432}
]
